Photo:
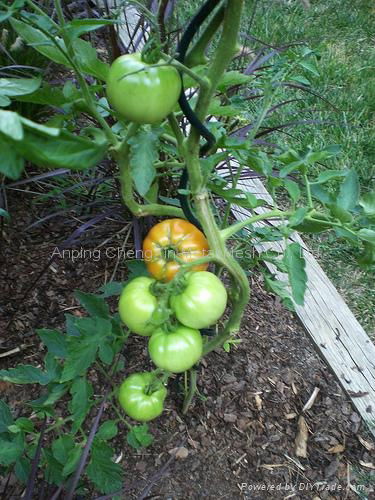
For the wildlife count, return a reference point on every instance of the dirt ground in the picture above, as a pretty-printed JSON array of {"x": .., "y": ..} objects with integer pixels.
[{"x": 239, "y": 438}]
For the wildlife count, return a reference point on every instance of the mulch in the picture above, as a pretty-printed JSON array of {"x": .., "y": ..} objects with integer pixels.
[{"x": 238, "y": 439}]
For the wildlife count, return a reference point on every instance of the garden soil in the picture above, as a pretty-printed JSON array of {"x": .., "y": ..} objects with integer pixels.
[{"x": 246, "y": 434}]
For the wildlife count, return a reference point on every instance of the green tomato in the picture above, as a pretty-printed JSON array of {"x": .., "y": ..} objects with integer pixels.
[
  {"x": 137, "y": 401},
  {"x": 137, "y": 305},
  {"x": 202, "y": 302},
  {"x": 147, "y": 96},
  {"x": 175, "y": 351}
]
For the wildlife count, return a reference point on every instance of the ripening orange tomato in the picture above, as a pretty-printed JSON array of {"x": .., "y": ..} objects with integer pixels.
[{"x": 171, "y": 239}]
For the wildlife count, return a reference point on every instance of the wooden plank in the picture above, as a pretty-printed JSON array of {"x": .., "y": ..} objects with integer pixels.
[{"x": 331, "y": 325}]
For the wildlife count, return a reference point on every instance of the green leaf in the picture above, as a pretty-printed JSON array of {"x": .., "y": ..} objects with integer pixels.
[
  {"x": 279, "y": 288},
  {"x": 310, "y": 66},
  {"x": 301, "y": 79},
  {"x": 321, "y": 194},
  {"x": 10, "y": 451},
  {"x": 67, "y": 150},
  {"x": 37, "y": 127},
  {"x": 106, "y": 354},
  {"x": 295, "y": 165},
  {"x": 24, "y": 424},
  {"x": 217, "y": 109},
  {"x": 72, "y": 460},
  {"x": 259, "y": 162},
  {"x": 61, "y": 448},
  {"x": 349, "y": 191},
  {"x": 18, "y": 86},
  {"x": 112, "y": 288},
  {"x": 25, "y": 374},
  {"x": 55, "y": 392},
  {"x": 81, "y": 354},
  {"x": 4, "y": 101},
  {"x": 231, "y": 78},
  {"x": 367, "y": 235},
  {"x": 47, "y": 95},
  {"x": 4, "y": 213},
  {"x": 102, "y": 471},
  {"x": 22, "y": 469},
  {"x": 53, "y": 471},
  {"x": 295, "y": 262},
  {"x": 84, "y": 52},
  {"x": 136, "y": 268},
  {"x": 293, "y": 189},
  {"x": 54, "y": 340},
  {"x": 94, "y": 305},
  {"x": 298, "y": 216},
  {"x": 10, "y": 125},
  {"x": 143, "y": 154},
  {"x": 6, "y": 418},
  {"x": 139, "y": 437},
  {"x": 78, "y": 27},
  {"x": 80, "y": 404},
  {"x": 367, "y": 202},
  {"x": 327, "y": 175},
  {"x": 107, "y": 430},
  {"x": 11, "y": 163}
]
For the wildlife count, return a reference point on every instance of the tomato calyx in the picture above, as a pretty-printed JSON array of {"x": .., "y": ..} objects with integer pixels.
[{"x": 159, "y": 381}]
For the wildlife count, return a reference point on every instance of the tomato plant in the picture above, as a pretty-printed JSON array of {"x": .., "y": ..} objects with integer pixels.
[
  {"x": 177, "y": 350},
  {"x": 182, "y": 170},
  {"x": 137, "y": 305},
  {"x": 140, "y": 92},
  {"x": 171, "y": 243},
  {"x": 202, "y": 301},
  {"x": 142, "y": 396}
]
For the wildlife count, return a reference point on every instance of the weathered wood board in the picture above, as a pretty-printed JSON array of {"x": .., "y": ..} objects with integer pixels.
[{"x": 331, "y": 325}]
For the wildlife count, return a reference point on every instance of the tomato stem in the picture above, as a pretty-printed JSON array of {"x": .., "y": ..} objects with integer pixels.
[{"x": 192, "y": 390}]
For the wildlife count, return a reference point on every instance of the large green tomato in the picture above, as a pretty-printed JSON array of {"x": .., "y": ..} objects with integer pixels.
[
  {"x": 137, "y": 400},
  {"x": 147, "y": 96},
  {"x": 137, "y": 304},
  {"x": 175, "y": 351},
  {"x": 202, "y": 302}
]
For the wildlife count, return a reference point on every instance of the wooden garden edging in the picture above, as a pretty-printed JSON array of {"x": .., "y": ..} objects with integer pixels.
[{"x": 331, "y": 325}]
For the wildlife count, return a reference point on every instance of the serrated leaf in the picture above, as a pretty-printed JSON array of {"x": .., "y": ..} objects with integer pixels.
[
  {"x": 102, "y": 471},
  {"x": 6, "y": 418},
  {"x": 22, "y": 469},
  {"x": 293, "y": 189},
  {"x": 53, "y": 468},
  {"x": 295, "y": 165},
  {"x": 139, "y": 437},
  {"x": 310, "y": 66},
  {"x": 61, "y": 448},
  {"x": 106, "y": 354},
  {"x": 367, "y": 235},
  {"x": 67, "y": 150},
  {"x": 112, "y": 288},
  {"x": 80, "y": 404},
  {"x": 55, "y": 392},
  {"x": 107, "y": 430},
  {"x": 137, "y": 268},
  {"x": 10, "y": 125},
  {"x": 295, "y": 262},
  {"x": 18, "y": 86},
  {"x": 143, "y": 154},
  {"x": 367, "y": 202},
  {"x": 301, "y": 79},
  {"x": 11, "y": 163},
  {"x": 94, "y": 304},
  {"x": 72, "y": 461},
  {"x": 349, "y": 191},
  {"x": 24, "y": 424},
  {"x": 279, "y": 288},
  {"x": 298, "y": 216},
  {"x": 11, "y": 450},
  {"x": 328, "y": 175},
  {"x": 321, "y": 194},
  {"x": 85, "y": 54},
  {"x": 54, "y": 340},
  {"x": 231, "y": 78},
  {"x": 25, "y": 374}
]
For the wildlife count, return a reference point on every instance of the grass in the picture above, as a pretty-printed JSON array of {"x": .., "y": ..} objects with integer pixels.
[{"x": 341, "y": 33}]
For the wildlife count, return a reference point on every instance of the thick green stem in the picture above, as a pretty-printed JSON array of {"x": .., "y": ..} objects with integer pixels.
[
  {"x": 122, "y": 156},
  {"x": 196, "y": 54},
  {"x": 231, "y": 230},
  {"x": 192, "y": 390}
]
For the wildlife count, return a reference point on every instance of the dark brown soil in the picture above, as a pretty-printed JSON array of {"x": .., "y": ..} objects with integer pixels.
[{"x": 238, "y": 439}]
